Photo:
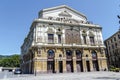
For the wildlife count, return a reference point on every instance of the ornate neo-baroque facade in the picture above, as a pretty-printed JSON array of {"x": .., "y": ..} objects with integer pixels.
[{"x": 62, "y": 40}]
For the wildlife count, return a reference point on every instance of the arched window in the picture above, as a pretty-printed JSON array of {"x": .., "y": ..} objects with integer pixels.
[
  {"x": 68, "y": 53},
  {"x": 78, "y": 54},
  {"x": 94, "y": 55},
  {"x": 50, "y": 53}
]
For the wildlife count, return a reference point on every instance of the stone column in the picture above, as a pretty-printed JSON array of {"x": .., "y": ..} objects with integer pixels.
[
  {"x": 104, "y": 66},
  {"x": 91, "y": 64},
  {"x": 35, "y": 61},
  {"x": 56, "y": 66},
  {"x": 44, "y": 60},
  {"x": 64, "y": 61},
  {"x": 84, "y": 64},
  {"x": 74, "y": 61},
  {"x": 100, "y": 63},
  {"x": 64, "y": 66}
]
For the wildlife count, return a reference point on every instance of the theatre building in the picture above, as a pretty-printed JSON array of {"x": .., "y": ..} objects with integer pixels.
[{"x": 62, "y": 40}]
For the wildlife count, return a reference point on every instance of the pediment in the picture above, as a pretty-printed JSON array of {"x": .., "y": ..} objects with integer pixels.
[
  {"x": 61, "y": 12},
  {"x": 65, "y": 14}
]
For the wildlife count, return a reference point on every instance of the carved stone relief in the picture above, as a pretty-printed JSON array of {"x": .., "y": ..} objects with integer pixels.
[
  {"x": 65, "y": 13},
  {"x": 72, "y": 36},
  {"x": 50, "y": 30},
  {"x": 91, "y": 34}
]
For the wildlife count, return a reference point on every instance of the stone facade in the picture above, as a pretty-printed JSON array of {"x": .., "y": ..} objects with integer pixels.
[
  {"x": 61, "y": 40},
  {"x": 113, "y": 49}
]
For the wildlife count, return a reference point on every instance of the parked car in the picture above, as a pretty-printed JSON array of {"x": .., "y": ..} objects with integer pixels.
[{"x": 17, "y": 71}]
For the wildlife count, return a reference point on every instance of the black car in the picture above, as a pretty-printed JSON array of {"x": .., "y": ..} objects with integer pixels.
[{"x": 17, "y": 71}]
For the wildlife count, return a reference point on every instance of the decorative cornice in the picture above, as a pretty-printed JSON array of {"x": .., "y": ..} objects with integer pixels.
[{"x": 68, "y": 24}]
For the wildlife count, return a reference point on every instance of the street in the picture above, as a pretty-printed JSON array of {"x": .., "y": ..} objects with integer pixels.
[{"x": 63, "y": 76}]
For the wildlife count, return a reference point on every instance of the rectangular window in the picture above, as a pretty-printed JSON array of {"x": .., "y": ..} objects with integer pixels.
[
  {"x": 114, "y": 38},
  {"x": 59, "y": 38},
  {"x": 108, "y": 42},
  {"x": 50, "y": 38},
  {"x": 118, "y": 36},
  {"x": 112, "y": 46},
  {"x": 92, "y": 41},
  {"x": 84, "y": 38},
  {"x": 111, "y": 40},
  {"x": 116, "y": 45}
]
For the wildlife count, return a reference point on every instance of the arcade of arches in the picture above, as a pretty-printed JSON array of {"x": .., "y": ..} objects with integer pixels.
[{"x": 57, "y": 60}]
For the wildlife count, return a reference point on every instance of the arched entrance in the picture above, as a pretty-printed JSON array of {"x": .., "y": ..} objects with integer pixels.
[
  {"x": 87, "y": 63},
  {"x": 95, "y": 61},
  {"x": 88, "y": 66},
  {"x": 79, "y": 63},
  {"x": 60, "y": 64},
  {"x": 50, "y": 62},
  {"x": 60, "y": 67},
  {"x": 69, "y": 61}
]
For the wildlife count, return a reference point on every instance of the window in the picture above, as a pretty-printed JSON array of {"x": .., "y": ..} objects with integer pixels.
[
  {"x": 112, "y": 46},
  {"x": 92, "y": 41},
  {"x": 39, "y": 51},
  {"x": 94, "y": 55},
  {"x": 68, "y": 54},
  {"x": 114, "y": 38},
  {"x": 78, "y": 54},
  {"x": 84, "y": 39},
  {"x": 116, "y": 45},
  {"x": 50, "y": 53},
  {"x": 111, "y": 40},
  {"x": 108, "y": 42},
  {"x": 59, "y": 38},
  {"x": 50, "y": 38},
  {"x": 118, "y": 36}
]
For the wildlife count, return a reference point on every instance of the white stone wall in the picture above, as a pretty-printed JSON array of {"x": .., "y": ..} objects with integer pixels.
[
  {"x": 42, "y": 28},
  {"x": 38, "y": 32}
]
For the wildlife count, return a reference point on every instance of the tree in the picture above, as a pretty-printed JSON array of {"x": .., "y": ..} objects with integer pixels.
[{"x": 12, "y": 61}]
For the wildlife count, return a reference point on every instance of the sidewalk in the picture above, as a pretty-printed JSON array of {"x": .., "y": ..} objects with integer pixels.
[{"x": 71, "y": 76}]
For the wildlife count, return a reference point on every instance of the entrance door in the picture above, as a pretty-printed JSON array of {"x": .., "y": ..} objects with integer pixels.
[
  {"x": 88, "y": 66},
  {"x": 79, "y": 66},
  {"x": 60, "y": 67},
  {"x": 95, "y": 65},
  {"x": 50, "y": 66},
  {"x": 69, "y": 66}
]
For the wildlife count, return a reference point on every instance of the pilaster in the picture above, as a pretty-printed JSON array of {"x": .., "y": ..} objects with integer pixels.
[
  {"x": 74, "y": 61},
  {"x": 64, "y": 66},
  {"x": 84, "y": 64}
]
